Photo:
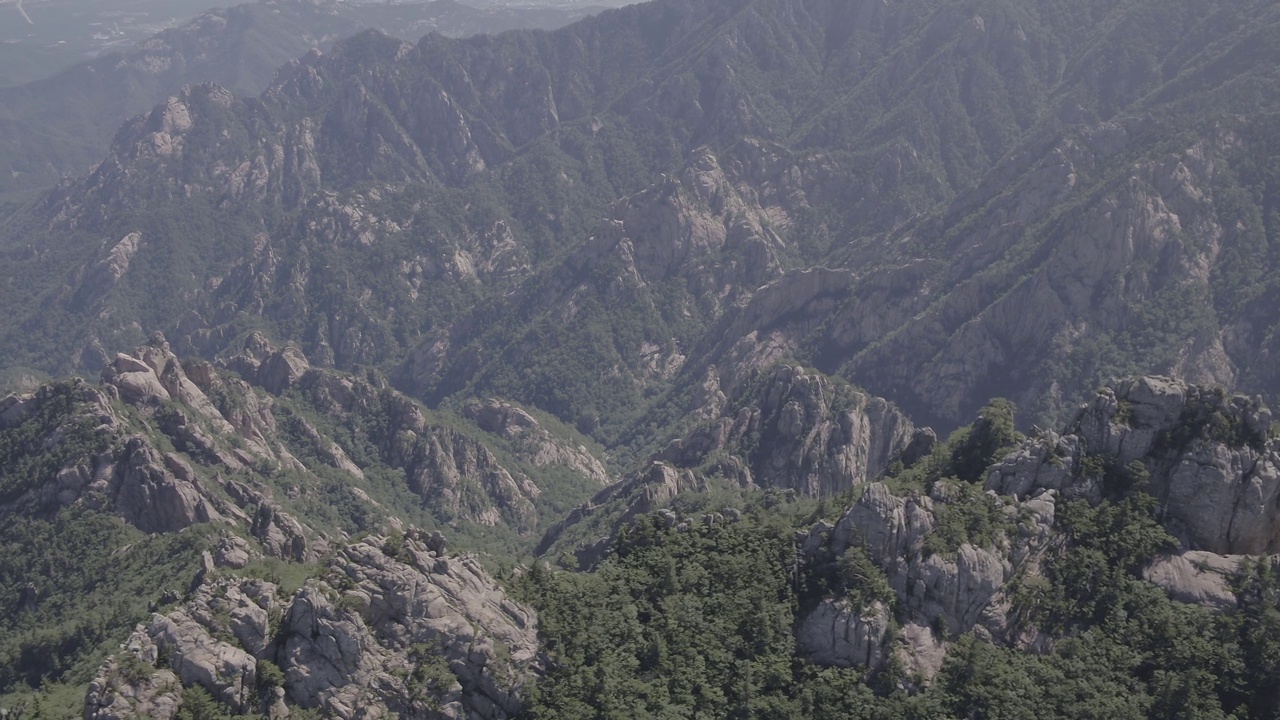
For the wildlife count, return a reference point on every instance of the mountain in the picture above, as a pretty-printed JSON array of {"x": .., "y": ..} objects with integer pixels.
[
  {"x": 1102, "y": 580},
  {"x": 226, "y": 502},
  {"x": 703, "y": 326},
  {"x": 61, "y": 125},
  {"x": 41, "y": 37},
  {"x": 258, "y": 484},
  {"x": 547, "y": 263}
]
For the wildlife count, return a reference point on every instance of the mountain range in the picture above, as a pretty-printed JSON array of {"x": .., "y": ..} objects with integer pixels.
[
  {"x": 61, "y": 125},
  {"x": 699, "y": 327}
]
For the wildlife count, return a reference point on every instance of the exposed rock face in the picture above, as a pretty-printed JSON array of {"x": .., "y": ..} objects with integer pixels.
[
  {"x": 836, "y": 633},
  {"x": 124, "y": 473},
  {"x": 333, "y": 657},
  {"x": 186, "y": 644},
  {"x": 941, "y": 594},
  {"x": 152, "y": 498},
  {"x": 1196, "y": 577},
  {"x": 460, "y": 477},
  {"x": 682, "y": 251},
  {"x": 198, "y": 658},
  {"x": 280, "y": 534},
  {"x": 129, "y": 687},
  {"x": 645, "y": 491},
  {"x": 792, "y": 430},
  {"x": 103, "y": 277},
  {"x": 352, "y": 653},
  {"x": 955, "y": 590},
  {"x": 233, "y": 552},
  {"x": 282, "y": 369},
  {"x": 799, "y": 430},
  {"x": 1212, "y": 464},
  {"x": 456, "y": 475},
  {"x": 1203, "y": 450}
]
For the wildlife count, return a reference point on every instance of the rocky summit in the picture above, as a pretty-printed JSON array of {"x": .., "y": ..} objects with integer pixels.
[{"x": 692, "y": 359}]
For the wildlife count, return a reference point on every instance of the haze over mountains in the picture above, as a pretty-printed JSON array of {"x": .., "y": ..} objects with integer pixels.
[
  {"x": 684, "y": 292},
  {"x": 61, "y": 125}
]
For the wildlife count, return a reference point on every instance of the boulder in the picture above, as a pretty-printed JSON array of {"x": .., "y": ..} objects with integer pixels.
[{"x": 1196, "y": 577}]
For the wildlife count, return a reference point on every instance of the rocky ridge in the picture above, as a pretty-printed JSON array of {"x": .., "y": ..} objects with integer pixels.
[
  {"x": 239, "y": 48},
  {"x": 1204, "y": 455},
  {"x": 388, "y": 623},
  {"x": 389, "y": 626}
]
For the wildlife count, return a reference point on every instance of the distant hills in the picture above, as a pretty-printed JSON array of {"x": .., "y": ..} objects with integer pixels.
[{"x": 60, "y": 125}]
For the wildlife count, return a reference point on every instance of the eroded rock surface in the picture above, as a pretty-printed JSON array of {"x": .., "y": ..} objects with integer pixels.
[{"x": 1211, "y": 462}]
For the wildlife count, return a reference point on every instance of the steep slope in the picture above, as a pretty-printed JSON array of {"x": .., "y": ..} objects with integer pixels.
[
  {"x": 277, "y": 473},
  {"x": 61, "y": 125},
  {"x": 1112, "y": 241},
  {"x": 451, "y": 112},
  {"x": 789, "y": 433}
]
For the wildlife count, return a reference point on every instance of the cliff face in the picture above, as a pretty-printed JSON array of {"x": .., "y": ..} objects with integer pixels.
[
  {"x": 431, "y": 284},
  {"x": 791, "y": 433},
  {"x": 167, "y": 446},
  {"x": 1210, "y": 457},
  {"x": 797, "y": 430}
]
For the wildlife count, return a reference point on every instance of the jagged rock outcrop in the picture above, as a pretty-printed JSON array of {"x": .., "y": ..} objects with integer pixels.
[
  {"x": 128, "y": 686},
  {"x": 233, "y": 552},
  {"x": 212, "y": 641},
  {"x": 792, "y": 431},
  {"x": 110, "y": 468},
  {"x": 460, "y": 477},
  {"x": 644, "y": 491},
  {"x": 955, "y": 590},
  {"x": 101, "y": 278},
  {"x": 838, "y": 634},
  {"x": 225, "y": 670},
  {"x": 427, "y": 603},
  {"x": 455, "y": 474},
  {"x": 1212, "y": 464},
  {"x": 280, "y": 534},
  {"x": 941, "y": 592},
  {"x": 150, "y": 496},
  {"x": 1207, "y": 457},
  {"x": 392, "y": 625},
  {"x": 797, "y": 429}
]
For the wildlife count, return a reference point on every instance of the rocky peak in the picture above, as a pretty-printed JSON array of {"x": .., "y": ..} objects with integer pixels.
[
  {"x": 797, "y": 429},
  {"x": 1209, "y": 458}
]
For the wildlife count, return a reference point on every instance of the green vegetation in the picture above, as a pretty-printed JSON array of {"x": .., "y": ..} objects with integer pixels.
[
  {"x": 965, "y": 455},
  {"x": 27, "y": 457},
  {"x": 73, "y": 587},
  {"x": 668, "y": 626},
  {"x": 968, "y": 516},
  {"x": 672, "y": 625},
  {"x": 445, "y": 221}
]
